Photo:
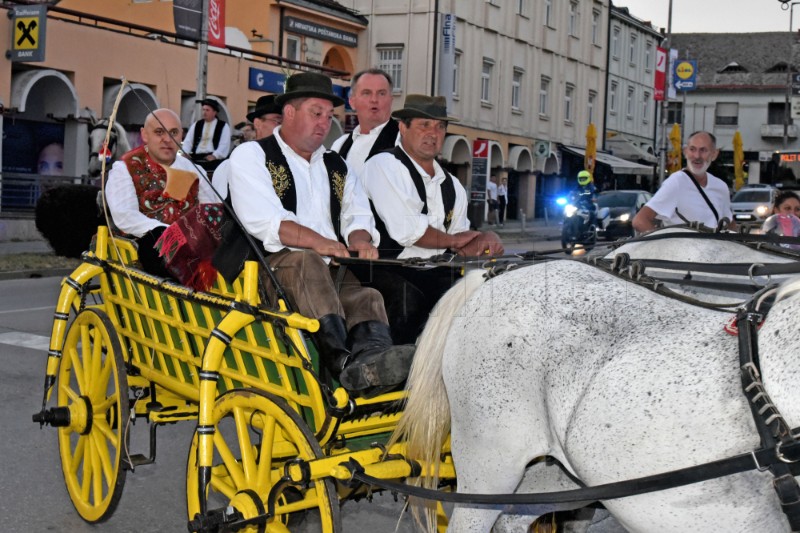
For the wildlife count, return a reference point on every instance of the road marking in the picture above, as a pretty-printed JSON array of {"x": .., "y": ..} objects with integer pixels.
[
  {"x": 26, "y": 310},
  {"x": 25, "y": 340}
]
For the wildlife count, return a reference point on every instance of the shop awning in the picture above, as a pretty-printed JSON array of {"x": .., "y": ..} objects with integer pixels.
[
  {"x": 624, "y": 148},
  {"x": 618, "y": 166}
]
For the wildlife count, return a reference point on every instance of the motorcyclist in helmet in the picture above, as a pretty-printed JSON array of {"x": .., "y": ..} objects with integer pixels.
[{"x": 584, "y": 195}]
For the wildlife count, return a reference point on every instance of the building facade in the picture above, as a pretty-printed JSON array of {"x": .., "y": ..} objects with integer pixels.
[
  {"x": 526, "y": 75},
  {"x": 630, "y": 105},
  {"x": 91, "y": 46},
  {"x": 742, "y": 85}
]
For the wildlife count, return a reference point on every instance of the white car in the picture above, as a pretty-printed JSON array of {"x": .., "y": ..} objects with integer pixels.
[{"x": 752, "y": 204}]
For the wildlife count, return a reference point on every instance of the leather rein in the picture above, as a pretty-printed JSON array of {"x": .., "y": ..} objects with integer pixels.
[{"x": 779, "y": 451}]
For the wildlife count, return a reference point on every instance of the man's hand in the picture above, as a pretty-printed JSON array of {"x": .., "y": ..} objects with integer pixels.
[
  {"x": 361, "y": 242},
  {"x": 210, "y": 157},
  {"x": 484, "y": 244},
  {"x": 330, "y": 248},
  {"x": 462, "y": 239}
]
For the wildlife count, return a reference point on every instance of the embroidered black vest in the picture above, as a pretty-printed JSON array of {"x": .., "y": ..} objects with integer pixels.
[
  {"x": 390, "y": 248},
  {"x": 234, "y": 251},
  {"x": 283, "y": 181},
  {"x": 385, "y": 141},
  {"x": 198, "y": 132}
]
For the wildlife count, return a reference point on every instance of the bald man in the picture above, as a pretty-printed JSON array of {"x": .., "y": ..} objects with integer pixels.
[{"x": 135, "y": 191}]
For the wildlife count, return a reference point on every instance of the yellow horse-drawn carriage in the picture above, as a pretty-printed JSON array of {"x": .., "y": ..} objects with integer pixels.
[{"x": 271, "y": 431}]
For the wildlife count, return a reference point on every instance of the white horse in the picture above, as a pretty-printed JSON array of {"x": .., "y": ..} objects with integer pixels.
[
  {"x": 612, "y": 380},
  {"x": 118, "y": 144},
  {"x": 683, "y": 248}
]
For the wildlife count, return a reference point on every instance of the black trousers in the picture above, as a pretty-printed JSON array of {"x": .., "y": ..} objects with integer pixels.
[
  {"x": 409, "y": 294},
  {"x": 501, "y": 210}
]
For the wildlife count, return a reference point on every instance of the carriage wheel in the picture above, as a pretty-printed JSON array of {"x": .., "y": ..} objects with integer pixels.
[
  {"x": 93, "y": 390},
  {"x": 256, "y": 434}
]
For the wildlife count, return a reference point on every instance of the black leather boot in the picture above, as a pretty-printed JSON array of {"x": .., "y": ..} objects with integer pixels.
[
  {"x": 331, "y": 341},
  {"x": 375, "y": 361}
]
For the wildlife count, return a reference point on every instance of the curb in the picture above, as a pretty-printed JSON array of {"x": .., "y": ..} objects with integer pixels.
[{"x": 35, "y": 273}]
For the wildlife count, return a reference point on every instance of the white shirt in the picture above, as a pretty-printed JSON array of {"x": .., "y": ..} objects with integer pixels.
[
  {"x": 502, "y": 191},
  {"x": 220, "y": 179},
  {"x": 261, "y": 212},
  {"x": 124, "y": 205},
  {"x": 362, "y": 144},
  {"x": 491, "y": 189},
  {"x": 678, "y": 193},
  {"x": 397, "y": 202},
  {"x": 206, "y": 144}
]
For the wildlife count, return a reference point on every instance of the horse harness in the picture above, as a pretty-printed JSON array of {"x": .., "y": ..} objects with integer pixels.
[{"x": 779, "y": 452}]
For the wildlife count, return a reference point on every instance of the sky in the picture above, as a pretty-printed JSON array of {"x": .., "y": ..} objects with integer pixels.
[{"x": 714, "y": 16}]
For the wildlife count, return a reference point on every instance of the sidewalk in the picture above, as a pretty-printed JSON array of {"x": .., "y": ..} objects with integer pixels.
[
  {"x": 25, "y": 247},
  {"x": 512, "y": 230},
  {"x": 536, "y": 229}
]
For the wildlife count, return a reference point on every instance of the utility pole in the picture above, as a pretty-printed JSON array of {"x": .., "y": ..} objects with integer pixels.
[
  {"x": 202, "y": 60},
  {"x": 662, "y": 161},
  {"x": 786, "y": 108}
]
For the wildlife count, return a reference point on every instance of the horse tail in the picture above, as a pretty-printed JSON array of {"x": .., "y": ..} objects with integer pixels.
[{"x": 425, "y": 424}]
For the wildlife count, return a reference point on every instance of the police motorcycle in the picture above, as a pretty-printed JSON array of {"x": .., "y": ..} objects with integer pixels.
[{"x": 581, "y": 217}]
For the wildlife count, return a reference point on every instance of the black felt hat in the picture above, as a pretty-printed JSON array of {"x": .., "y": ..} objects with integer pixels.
[
  {"x": 308, "y": 84},
  {"x": 265, "y": 105},
  {"x": 422, "y": 106},
  {"x": 210, "y": 102}
]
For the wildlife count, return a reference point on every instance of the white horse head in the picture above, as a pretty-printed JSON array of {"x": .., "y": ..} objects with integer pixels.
[
  {"x": 615, "y": 382},
  {"x": 117, "y": 144}
]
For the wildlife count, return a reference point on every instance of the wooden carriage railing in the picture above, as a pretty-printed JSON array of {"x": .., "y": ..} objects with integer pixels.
[{"x": 166, "y": 330}]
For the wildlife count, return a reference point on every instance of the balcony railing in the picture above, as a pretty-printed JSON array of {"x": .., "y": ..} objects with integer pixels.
[{"x": 771, "y": 131}]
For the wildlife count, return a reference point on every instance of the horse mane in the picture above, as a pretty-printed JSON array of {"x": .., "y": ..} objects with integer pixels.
[{"x": 425, "y": 423}]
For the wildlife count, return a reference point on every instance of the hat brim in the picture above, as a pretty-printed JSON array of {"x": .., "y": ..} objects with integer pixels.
[
  {"x": 210, "y": 103},
  {"x": 260, "y": 112},
  {"x": 281, "y": 99},
  {"x": 401, "y": 114}
]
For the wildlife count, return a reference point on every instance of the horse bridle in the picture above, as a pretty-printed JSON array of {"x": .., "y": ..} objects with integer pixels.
[
  {"x": 779, "y": 452},
  {"x": 772, "y": 427},
  {"x": 112, "y": 140}
]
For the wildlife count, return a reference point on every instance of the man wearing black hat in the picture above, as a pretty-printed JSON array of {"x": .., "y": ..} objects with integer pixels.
[
  {"x": 208, "y": 140},
  {"x": 304, "y": 205},
  {"x": 421, "y": 212},
  {"x": 265, "y": 118},
  {"x": 413, "y": 225}
]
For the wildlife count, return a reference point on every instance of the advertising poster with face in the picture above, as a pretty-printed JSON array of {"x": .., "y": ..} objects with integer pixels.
[{"x": 30, "y": 148}]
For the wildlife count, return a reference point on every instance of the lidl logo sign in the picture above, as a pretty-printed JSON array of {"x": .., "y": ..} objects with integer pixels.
[
  {"x": 685, "y": 75},
  {"x": 684, "y": 70}
]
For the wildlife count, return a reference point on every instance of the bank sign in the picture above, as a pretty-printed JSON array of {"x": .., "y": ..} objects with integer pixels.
[
  {"x": 272, "y": 82},
  {"x": 28, "y": 25}
]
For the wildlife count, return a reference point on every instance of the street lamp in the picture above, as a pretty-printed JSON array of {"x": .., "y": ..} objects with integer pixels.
[
  {"x": 667, "y": 44},
  {"x": 786, "y": 4}
]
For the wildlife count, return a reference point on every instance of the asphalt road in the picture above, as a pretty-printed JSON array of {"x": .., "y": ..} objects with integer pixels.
[{"x": 33, "y": 497}]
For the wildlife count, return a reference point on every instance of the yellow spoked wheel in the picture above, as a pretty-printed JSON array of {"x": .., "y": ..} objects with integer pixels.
[
  {"x": 92, "y": 388},
  {"x": 256, "y": 434}
]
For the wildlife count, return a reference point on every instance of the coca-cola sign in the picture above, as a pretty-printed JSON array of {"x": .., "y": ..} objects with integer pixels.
[{"x": 216, "y": 23}]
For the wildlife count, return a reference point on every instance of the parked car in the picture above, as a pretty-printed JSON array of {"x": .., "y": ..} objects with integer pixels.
[
  {"x": 752, "y": 204},
  {"x": 623, "y": 205}
]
